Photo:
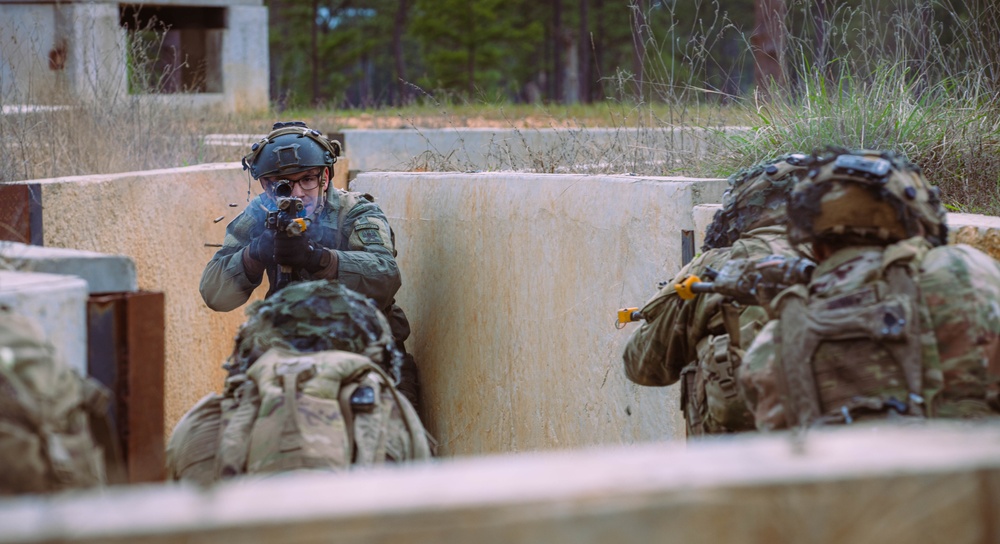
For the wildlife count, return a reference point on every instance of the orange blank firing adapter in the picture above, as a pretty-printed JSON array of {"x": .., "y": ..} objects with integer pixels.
[{"x": 684, "y": 288}]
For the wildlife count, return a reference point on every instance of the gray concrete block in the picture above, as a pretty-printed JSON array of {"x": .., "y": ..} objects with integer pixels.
[
  {"x": 58, "y": 303},
  {"x": 103, "y": 273}
]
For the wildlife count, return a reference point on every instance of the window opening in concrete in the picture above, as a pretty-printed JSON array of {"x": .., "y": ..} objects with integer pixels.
[{"x": 173, "y": 49}]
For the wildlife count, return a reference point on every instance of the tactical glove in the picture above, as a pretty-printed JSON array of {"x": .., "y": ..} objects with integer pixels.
[
  {"x": 298, "y": 252},
  {"x": 261, "y": 248}
]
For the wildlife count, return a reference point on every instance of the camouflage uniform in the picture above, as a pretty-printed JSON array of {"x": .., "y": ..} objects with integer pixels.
[
  {"x": 883, "y": 329},
  {"x": 677, "y": 334},
  {"x": 350, "y": 224},
  {"x": 700, "y": 342},
  {"x": 309, "y": 388}
]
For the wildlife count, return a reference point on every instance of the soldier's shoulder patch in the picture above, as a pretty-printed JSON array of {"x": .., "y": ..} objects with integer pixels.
[{"x": 368, "y": 233}]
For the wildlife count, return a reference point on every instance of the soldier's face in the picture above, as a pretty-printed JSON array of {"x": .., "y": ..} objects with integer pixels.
[{"x": 306, "y": 185}]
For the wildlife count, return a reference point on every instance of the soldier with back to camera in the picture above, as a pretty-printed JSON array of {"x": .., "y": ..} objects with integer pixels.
[
  {"x": 700, "y": 342},
  {"x": 893, "y": 324}
]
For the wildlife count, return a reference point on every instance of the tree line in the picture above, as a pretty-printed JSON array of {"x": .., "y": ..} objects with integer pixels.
[{"x": 370, "y": 53}]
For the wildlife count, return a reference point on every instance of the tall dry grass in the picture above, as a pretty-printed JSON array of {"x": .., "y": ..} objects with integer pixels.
[
  {"x": 920, "y": 77},
  {"x": 54, "y": 125}
]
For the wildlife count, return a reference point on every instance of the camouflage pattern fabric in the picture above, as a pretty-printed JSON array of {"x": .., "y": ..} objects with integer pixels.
[
  {"x": 689, "y": 339},
  {"x": 46, "y": 409},
  {"x": 295, "y": 411},
  {"x": 350, "y": 223},
  {"x": 857, "y": 377},
  {"x": 298, "y": 362}
]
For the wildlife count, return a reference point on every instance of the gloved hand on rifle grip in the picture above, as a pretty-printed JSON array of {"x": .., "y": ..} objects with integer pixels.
[
  {"x": 298, "y": 252},
  {"x": 261, "y": 248}
]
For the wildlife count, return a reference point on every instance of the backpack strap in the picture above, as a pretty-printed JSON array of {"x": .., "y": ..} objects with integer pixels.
[
  {"x": 909, "y": 354},
  {"x": 798, "y": 343},
  {"x": 239, "y": 414},
  {"x": 419, "y": 446}
]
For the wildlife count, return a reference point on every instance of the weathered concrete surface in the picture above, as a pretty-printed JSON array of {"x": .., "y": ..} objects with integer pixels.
[
  {"x": 979, "y": 231},
  {"x": 57, "y": 52},
  {"x": 539, "y": 150},
  {"x": 856, "y": 484},
  {"x": 161, "y": 219},
  {"x": 103, "y": 273},
  {"x": 58, "y": 303},
  {"x": 511, "y": 283}
]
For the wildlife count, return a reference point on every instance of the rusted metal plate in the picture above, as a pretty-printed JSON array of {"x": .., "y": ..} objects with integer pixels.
[
  {"x": 126, "y": 353},
  {"x": 16, "y": 207},
  {"x": 146, "y": 359}
]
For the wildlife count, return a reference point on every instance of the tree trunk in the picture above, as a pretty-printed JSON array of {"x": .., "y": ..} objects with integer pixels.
[
  {"x": 399, "y": 25},
  {"x": 821, "y": 27},
  {"x": 768, "y": 42},
  {"x": 584, "y": 51},
  {"x": 638, "y": 8},
  {"x": 315, "y": 53},
  {"x": 558, "y": 37}
]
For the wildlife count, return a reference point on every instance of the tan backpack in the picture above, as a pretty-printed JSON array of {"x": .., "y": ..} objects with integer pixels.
[
  {"x": 48, "y": 416},
  {"x": 329, "y": 410}
]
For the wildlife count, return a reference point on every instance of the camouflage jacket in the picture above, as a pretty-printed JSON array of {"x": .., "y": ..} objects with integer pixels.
[
  {"x": 667, "y": 340},
  {"x": 855, "y": 376},
  {"x": 350, "y": 224}
]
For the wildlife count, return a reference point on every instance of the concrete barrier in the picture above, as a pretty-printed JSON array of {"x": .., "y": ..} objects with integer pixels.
[
  {"x": 598, "y": 150},
  {"x": 511, "y": 282},
  {"x": 58, "y": 304},
  {"x": 939, "y": 483}
]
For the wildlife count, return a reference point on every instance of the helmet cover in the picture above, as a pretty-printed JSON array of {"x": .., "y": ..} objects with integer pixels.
[
  {"x": 756, "y": 198},
  {"x": 864, "y": 196},
  {"x": 289, "y": 148},
  {"x": 315, "y": 316}
]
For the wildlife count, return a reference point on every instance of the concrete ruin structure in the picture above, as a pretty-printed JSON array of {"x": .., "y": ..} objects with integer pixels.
[
  {"x": 511, "y": 281},
  {"x": 190, "y": 53}
]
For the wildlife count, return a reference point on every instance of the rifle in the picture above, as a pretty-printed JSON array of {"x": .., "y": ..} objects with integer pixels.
[
  {"x": 747, "y": 281},
  {"x": 286, "y": 221},
  {"x": 751, "y": 282}
]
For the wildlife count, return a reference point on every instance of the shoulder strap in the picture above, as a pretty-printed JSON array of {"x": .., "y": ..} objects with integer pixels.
[
  {"x": 908, "y": 354},
  {"x": 798, "y": 343}
]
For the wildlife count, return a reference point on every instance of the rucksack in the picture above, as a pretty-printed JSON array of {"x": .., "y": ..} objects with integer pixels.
[
  {"x": 330, "y": 410},
  {"x": 859, "y": 354},
  {"x": 50, "y": 417}
]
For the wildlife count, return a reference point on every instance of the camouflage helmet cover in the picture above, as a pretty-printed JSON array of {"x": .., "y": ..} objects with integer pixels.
[
  {"x": 315, "y": 316},
  {"x": 756, "y": 198},
  {"x": 865, "y": 196},
  {"x": 289, "y": 148}
]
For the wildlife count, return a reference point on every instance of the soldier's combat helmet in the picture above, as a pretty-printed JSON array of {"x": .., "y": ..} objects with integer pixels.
[
  {"x": 315, "y": 316},
  {"x": 756, "y": 198},
  {"x": 289, "y": 148},
  {"x": 863, "y": 197}
]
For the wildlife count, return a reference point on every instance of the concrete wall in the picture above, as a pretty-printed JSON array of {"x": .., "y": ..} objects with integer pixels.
[
  {"x": 58, "y": 304},
  {"x": 88, "y": 47},
  {"x": 27, "y": 36},
  {"x": 849, "y": 485},
  {"x": 162, "y": 220},
  {"x": 596, "y": 150},
  {"x": 511, "y": 282}
]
